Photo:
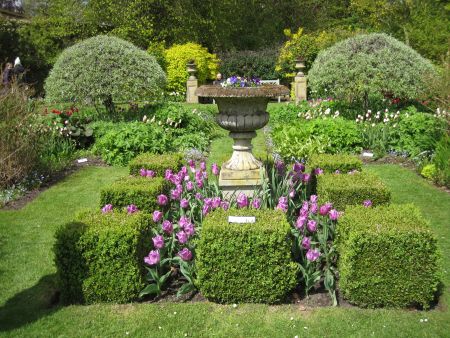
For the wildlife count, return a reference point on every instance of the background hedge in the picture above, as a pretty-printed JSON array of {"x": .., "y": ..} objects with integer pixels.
[
  {"x": 388, "y": 257},
  {"x": 156, "y": 162},
  {"x": 245, "y": 262},
  {"x": 99, "y": 257},
  {"x": 351, "y": 189},
  {"x": 140, "y": 191},
  {"x": 330, "y": 163}
]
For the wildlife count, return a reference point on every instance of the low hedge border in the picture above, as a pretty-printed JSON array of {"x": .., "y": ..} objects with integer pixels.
[
  {"x": 99, "y": 257},
  {"x": 330, "y": 163},
  {"x": 388, "y": 257},
  {"x": 156, "y": 162},
  {"x": 140, "y": 191},
  {"x": 352, "y": 189},
  {"x": 245, "y": 262}
]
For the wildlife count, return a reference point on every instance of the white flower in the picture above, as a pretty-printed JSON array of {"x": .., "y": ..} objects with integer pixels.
[{"x": 144, "y": 118}]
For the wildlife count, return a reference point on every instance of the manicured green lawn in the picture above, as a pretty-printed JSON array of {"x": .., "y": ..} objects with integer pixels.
[{"x": 27, "y": 281}]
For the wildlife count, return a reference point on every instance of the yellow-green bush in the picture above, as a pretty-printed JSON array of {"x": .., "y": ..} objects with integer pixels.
[{"x": 178, "y": 56}]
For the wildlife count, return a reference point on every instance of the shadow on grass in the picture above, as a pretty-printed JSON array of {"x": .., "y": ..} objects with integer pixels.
[{"x": 30, "y": 305}]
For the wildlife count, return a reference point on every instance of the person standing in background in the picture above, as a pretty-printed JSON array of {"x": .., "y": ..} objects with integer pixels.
[
  {"x": 7, "y": 76},
  {"x": 18, "y": 70}
]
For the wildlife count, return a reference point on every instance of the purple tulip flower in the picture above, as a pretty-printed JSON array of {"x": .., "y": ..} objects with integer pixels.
[
  {"x": 242, "y": 200},
  {"x": 206, "y": 209},
  {"x": 157, "y": 216},
  {"x": 312, "y": 225},
  {"x": 158, "y": 242},
  {"x": 312, "y": 255},
  {"x": 300, "y": 223},
  {"x": 367, "y": 203},
  {"x": 314, "y": 208},
  {"x": 152, "y": 258},
  {"x": 306, "y": 178},
  {"x": 107, "y": 208},
  {"x": 185, "y": 254},
  {"x": 182, "y": 237},
  {"x": 167, "y": 227},
  {"x": 189, "y": 186},
  {"x": 225, "y": 205},
  {"x": 256, "y": 203},
  {"x": 184, "y": 203},
  {"x": 203, "y": 166},
  {"x": 216, "y": 202},
  {"x": 131, "y": 209},
  {"x": 189, "y": 229},
  {"x": 313, "y": 198},
  {"x": 283, "y": 204},
  {"x": 143, "y": 172},
  {"x": 298, "y": 167},
  {"x": 215, "y": 169},
  {"x": 337, "y": 171},
  {"x": 162, "y": 199},
  {"x": 306, "y": 243},
  {"x": 334, "y": 214},
  {"x": 325, "y": 209},
  {"x": 318, "y": 171}
]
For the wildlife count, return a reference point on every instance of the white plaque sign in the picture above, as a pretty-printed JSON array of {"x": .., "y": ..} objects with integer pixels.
[
  {"x": 367, "y": 154},
  {"x": 238, "y": 219},
  {"x": 82, "y": 160}
]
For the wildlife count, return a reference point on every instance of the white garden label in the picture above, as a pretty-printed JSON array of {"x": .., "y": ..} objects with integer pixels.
[
  {"x": 367, "y": 154},
  {"x": 237, "y": 219}
]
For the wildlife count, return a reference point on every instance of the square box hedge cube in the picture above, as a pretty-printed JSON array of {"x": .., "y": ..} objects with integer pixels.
[
  {"x": 100, "y": 257},
  {"x": 352, "y": 189},
  {"x": 249, "y": 262},
  {"x": 156, "y": 162},
  {"x": 330, "y": 163},
  {"x": 388, "y": 257},
  {"x": 140, "y": 191}
]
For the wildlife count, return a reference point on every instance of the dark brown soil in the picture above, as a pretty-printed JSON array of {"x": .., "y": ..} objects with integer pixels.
[{"x": 53, "y": 179}]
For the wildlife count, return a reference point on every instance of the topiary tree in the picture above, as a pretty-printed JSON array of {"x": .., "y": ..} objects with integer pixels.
[
  {"x": 104, "y": 69},
  {"x": 369, "y": 67},
  {"x": 178, "y": 56}
]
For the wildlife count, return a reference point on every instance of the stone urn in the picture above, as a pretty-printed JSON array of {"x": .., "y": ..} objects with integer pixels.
[{"x": 242, "y": 111}]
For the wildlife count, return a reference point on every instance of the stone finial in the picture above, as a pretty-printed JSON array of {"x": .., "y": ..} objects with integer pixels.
[
  {"x": 191, "y": 69},
  {"x": 300, "y": 66}
]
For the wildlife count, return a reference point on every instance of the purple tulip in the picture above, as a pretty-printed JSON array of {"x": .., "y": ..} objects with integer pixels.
[
  {"x": 107, "y": 208},
  {"x": 157, "y": 216},
  {"x": 337, "y": 171},
  {"x": 314, "y": 208},
  {"x": 298, "y": 167},
  {"x": 215, "y": 169},
  {"x": 175, "y": 194},
  {"x": 313, "y": 198},
  {"x": 182, "y": 237},
  {"x": 158, "y": 242},
  {"x": 185, "y": 254},
  {"x": 183, "y": 221},
  {"x": 191, "y": 164},
  {"x": 206, "y": 209},
  {"x": 312, "y": 225},
  {"x": 225, "y": 205},
  {"x": 334, "y": 214},
  {"x": 312, "y": 255},
  {"x": 292, "y": 194},
  {"x": 203, "y": 166},
  {"x": 189, "y": 186},
  {"x": 150, "y": 173},
  {"x": 199, "y": 184},
  {"x": 168, "y": 174},
  {"x": 306, "y": 243},
  {"x": 184, "y": 203},
  {"x": 189, "y": 229},
  {"x": 367, "y": 203},
  {"x": 242, "y": 200},
  {"x": 300, "y": 223},
  {"x": 198, "y": 196},
  {"x": 256, "y": 203},
  {"x": 216, "y": 202},
  {"x": 318, "y": 171},
  {"x": 152, "y": 258},
  {"x": 162, "y": 199},
  {"x": 280, "y": 166},
  {"x": 283, "y": 204},
  {"x": 131, "y": 209},
  {"x": 306, "y": 178},
  {"x": 167, "y": 227},
  {"x": 183, "y": 171},
  {"x": 325, "y": 209},
  {"x": 143, "y": 172}
]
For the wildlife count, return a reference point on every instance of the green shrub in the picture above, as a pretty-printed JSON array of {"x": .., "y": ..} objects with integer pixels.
[
  {"x": 104, "y": 69},
  {"x": 140, "y": 191},
  {"x": 419, "y": 132},
  {"x": 99, "y": 257},
  {"x": 330, "y": 163},
  {"x": 367, "y": 68},
  {"x": 157, "y": 163},
  {"x": 249, "y": 63},
  {"x": 301, "y": 139},
  {"x": 126, "y": 140},
  {"x": 245, "y": 262},
  {"x": 178, "y": 56},
  {"x": 388, "y": 257},
  {"x": 351, "y": 189},
  {"x": 428, "y": 171},
  {"x": 441, "y": 160}
]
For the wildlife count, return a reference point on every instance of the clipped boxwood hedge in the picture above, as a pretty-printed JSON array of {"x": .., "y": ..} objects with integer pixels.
[
  {"x": 330, "y": 163},
  {"x": 99, "y": 257},
  {"x": 156, "y": 162},
  {"x": 245, "y": 262},
  {"x": 352, "y": 189},
  {"x": 388, "y": 257},
  {"x": 140, "y": 191}
]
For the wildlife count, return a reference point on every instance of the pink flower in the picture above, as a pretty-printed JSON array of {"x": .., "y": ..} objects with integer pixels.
[
  {"x": 256, "y": 203},
  {"x": 206, "y": 209},
  {"x": 175, "y": 194},
  {"x": 191, "y": 164},
  {"x": 168, "y": 175},
  {"x": 314, "y": 208},
  {"x": 152, "y": 258},
  {"x": 313, "y": 198},
  {"x": 162, "y": 199},
  {"x": 312, "y": 225},
  {"x": 157, "y": 216},
  {"x": 367, "y": 203},
  {"x": 158, "y": 242},
  {"x": 184, "y": 203},
  {"x": 189, "y": 186},
  {"x": 143, "y": 172},
  {"x": 203, "y": 166},
  {"x": 224, "y": 205},
  {"x": 298, "y": 167},
  {"x": 306, "y": 178},
  {"x": 199, "y": 184},
  {"x": 185, "y": 254},
  {"x": 216, "y": 202},
  {"x": 283, "y": 204},
  {"x": 215, "y": 169},
  {"x": 189, "y": 229},
  {"x": 183, "y": 221},
  {"x": 292, "y": 194},
  {"x": 312, "y": 255},
  {"x": 132, "y": 209},
  {"x": 318, "y": 171},
  {"x": 167, "y": 227},
  {"x": 182, "y": 237},
  {"x": 325, "y": 209},
  {"x": 150, "y": 173},
  {"x": 242, "y": 200},
  {"x": 107, "y": 208},
  {"x": 306, "y": 243},
  {"x": 334, "y": 215},
  {"x": 300, "y": 223}
]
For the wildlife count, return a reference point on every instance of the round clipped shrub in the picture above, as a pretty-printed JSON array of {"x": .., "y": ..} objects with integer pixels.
[
  {"x": 178, "y": 56},
  {"x": 249, "y": 262},
  {"x": 104, "y": 69},
  {"x": 369, "y": 67}
]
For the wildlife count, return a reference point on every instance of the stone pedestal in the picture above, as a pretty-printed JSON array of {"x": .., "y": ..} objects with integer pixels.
[
  {"x": 192, "y": 85},
  {"x": 240, "y": 181},
  {"x": 300, "y": 88}
]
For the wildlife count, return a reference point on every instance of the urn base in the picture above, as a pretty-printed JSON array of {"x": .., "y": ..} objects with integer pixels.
[{"x": 234, "y": 182}]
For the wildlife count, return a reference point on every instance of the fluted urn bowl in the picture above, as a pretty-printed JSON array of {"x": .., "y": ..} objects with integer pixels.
[{"x": 242, "y": 111}]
